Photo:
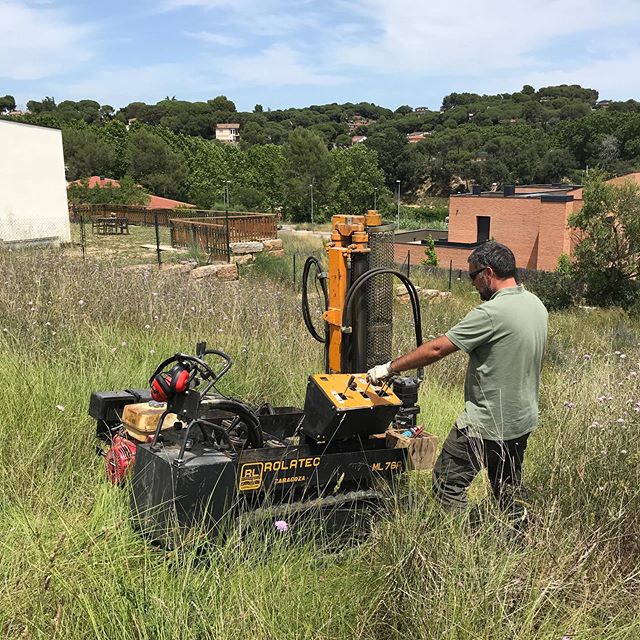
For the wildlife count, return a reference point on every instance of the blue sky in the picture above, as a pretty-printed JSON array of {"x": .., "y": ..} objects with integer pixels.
[{"x": 282, "y": 53}]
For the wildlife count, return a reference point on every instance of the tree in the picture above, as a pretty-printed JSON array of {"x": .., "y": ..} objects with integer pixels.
[
  {"x": 155, "y": 164},
  {"x": 85, "y": 154},
  {"x": 356, "y": 176},
  {"x": 403, "y": 110},
  {"x": 608, "y": 257},
  {"x": 307, "y": 163},
  {"x": 222, "y": 103},
  {"x": 7, "y": 103},
  {"x": 47, "y": 104},
  {"x": 127, "y": 193},
  {"x": 431, "y": 257},
  {"x": 258, "y": 108}
]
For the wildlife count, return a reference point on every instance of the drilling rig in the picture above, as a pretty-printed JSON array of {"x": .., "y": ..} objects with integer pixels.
[{"x": 197, "y": 459}]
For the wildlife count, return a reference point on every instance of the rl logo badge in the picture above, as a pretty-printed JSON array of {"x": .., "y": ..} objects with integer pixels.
[{"x": 250, "y": 476}]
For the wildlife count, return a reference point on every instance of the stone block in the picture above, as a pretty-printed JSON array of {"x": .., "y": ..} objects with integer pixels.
[
  {"x": 278, "y": 253},
  {"x": 247, "y": 258},
  {"x": 216, "y": 271},
  {"x": 182, "y": 268},
  {"x": 246, "y": 247},
  {"x": 272, "y": 245}
]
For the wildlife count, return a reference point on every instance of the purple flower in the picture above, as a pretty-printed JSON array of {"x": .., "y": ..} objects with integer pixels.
[{"x": 282, "y": 525}]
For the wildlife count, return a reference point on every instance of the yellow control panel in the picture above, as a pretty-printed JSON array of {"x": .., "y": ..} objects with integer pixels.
[{"x": 352, "y": 391}]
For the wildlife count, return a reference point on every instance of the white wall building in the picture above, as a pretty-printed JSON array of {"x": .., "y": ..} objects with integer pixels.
[
  {"x": 33, "y": 189},
  {"x": 228, "y": 132}
]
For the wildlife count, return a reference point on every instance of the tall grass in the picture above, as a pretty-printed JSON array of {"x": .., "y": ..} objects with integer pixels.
[{"x": 72, "y": 567}]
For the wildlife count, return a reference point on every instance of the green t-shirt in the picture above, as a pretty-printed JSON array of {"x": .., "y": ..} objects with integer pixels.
[{"x": 505, "y": 338}]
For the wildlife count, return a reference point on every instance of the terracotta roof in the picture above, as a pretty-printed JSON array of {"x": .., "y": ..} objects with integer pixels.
[
  {"x": 226, "y": 125},
  {"x": 629, "y": 177},
  {"x": 155, "y": 202}
]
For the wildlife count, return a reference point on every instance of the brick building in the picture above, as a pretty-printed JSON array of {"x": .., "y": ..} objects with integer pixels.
[{"x": 530, "y": 219}]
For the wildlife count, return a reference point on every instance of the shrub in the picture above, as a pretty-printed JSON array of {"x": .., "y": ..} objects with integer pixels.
[{"x": 556, "y": 290}]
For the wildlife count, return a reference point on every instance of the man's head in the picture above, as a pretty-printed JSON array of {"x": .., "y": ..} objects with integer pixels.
[{"x": 492, "y": 266}]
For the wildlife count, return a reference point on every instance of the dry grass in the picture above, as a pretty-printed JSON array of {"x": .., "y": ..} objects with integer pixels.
[{"x": 72, "y": 567}]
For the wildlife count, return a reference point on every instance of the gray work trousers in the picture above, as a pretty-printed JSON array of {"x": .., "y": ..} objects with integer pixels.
[{"x": 462, "y": 458}]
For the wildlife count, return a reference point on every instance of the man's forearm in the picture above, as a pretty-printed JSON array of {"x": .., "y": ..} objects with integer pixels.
[{"x": 425, "y": 354}]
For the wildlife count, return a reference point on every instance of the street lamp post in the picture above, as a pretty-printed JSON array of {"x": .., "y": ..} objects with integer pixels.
[
  {"x": 398, "y": 212},
  {"x": 375, "y": 198},
  {"x": 311, "y": 193}
]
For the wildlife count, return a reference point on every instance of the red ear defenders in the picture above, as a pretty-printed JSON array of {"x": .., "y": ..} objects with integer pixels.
[{"x": 166, "y": 385}]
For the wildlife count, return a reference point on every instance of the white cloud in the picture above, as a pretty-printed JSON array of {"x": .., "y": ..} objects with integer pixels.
[
  {"x": 276, "y": 66},
  {"x": 148, "y": 83},
  {"x": 441, "y": 38},
  {"x": 215, "y": 38},
  {"x": 615, "y": 78},
  {"x": 39, "y": 42}
]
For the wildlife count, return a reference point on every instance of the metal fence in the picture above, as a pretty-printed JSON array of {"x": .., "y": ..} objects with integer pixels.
[{"x": 146, "y": 216}]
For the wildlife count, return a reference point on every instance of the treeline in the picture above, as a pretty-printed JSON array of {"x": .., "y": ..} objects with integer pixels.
[{"x": 532, "y": 136}]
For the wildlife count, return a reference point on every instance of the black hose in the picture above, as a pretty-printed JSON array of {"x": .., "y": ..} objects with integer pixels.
[
  {"x": 413, "y": 295},
  {"x": 254, "y": 432},
  {"x": 312, "y": 261}
]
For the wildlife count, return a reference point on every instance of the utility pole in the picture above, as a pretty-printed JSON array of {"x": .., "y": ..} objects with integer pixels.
[
  {"x": 398, "y": 212},
  {"x": 311, "y": 193},
  {"x": 375, "y": 198}
]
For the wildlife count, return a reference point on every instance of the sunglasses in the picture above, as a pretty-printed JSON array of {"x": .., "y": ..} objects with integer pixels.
[{"x": 474, "y": 274}]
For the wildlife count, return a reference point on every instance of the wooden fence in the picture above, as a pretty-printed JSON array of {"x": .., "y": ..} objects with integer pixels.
[{"x": 210, "y": 234}]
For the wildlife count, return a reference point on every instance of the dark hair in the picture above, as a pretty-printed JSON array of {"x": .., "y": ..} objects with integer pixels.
[{"x": 497, "y": 256}]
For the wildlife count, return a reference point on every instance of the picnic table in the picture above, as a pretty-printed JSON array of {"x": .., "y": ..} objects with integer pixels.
[{"x": 111, "y": 225}]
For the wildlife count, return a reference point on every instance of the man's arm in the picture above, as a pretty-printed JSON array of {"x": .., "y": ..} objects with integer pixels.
[{"x": 425, "y": 354}]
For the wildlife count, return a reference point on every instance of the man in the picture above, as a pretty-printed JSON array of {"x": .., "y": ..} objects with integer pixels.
[{"x": 505, "y": 339}]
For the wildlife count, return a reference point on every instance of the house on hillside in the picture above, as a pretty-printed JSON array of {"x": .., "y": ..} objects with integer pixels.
[
  {"x": 33, "y": 197},
  {"x": 228, "y": 133},
  {"x": 416, "y": 136},
  {"x": 155, "y": 202},
  {"x": 357, "y": 139}
]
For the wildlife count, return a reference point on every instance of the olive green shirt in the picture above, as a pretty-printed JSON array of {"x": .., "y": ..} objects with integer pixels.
[{"x": 505, "y": 338}]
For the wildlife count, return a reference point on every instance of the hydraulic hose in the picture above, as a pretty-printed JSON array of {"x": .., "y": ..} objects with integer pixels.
[
  {"x": 310, "y": 262},
  {"x": 413, "y": 295},
  {"x": 254, "y": 432}
]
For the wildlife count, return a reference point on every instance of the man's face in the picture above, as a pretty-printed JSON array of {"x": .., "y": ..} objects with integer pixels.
[{"x": 481, "y": 280}]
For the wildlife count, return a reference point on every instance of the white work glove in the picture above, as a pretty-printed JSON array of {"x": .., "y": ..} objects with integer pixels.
[{"x": 379, "y": 373}]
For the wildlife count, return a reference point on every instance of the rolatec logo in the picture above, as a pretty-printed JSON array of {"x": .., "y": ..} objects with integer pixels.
[{"x": 251, "y": 476}]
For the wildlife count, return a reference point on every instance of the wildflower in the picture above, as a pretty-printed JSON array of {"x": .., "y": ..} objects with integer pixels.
[
  {"x": 81, "y": 302},
  {"x": 617, "y": 353},
  {"x": 569, "y": 405},
  {"x": 152, "y": 351},
  {"x": 113, "y": 349},
  {"x": 281, "y": 525},
  {"x": 123, "y": 344},
  {"x": 147, "y": 326},
  {"x": 623, "y": 356},
  {"x": 623, "y": 451},
  {"x": 620, "y": 420},
  {"x": 60, "y": 407},
  {"x": 587, "y": 356},
  {"x": 595, "y": 425}
]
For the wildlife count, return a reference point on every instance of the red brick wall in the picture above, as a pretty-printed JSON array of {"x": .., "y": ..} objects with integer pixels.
[
  {"x": 457, "y": 255},
  {"x": 534, "y": 230}
]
